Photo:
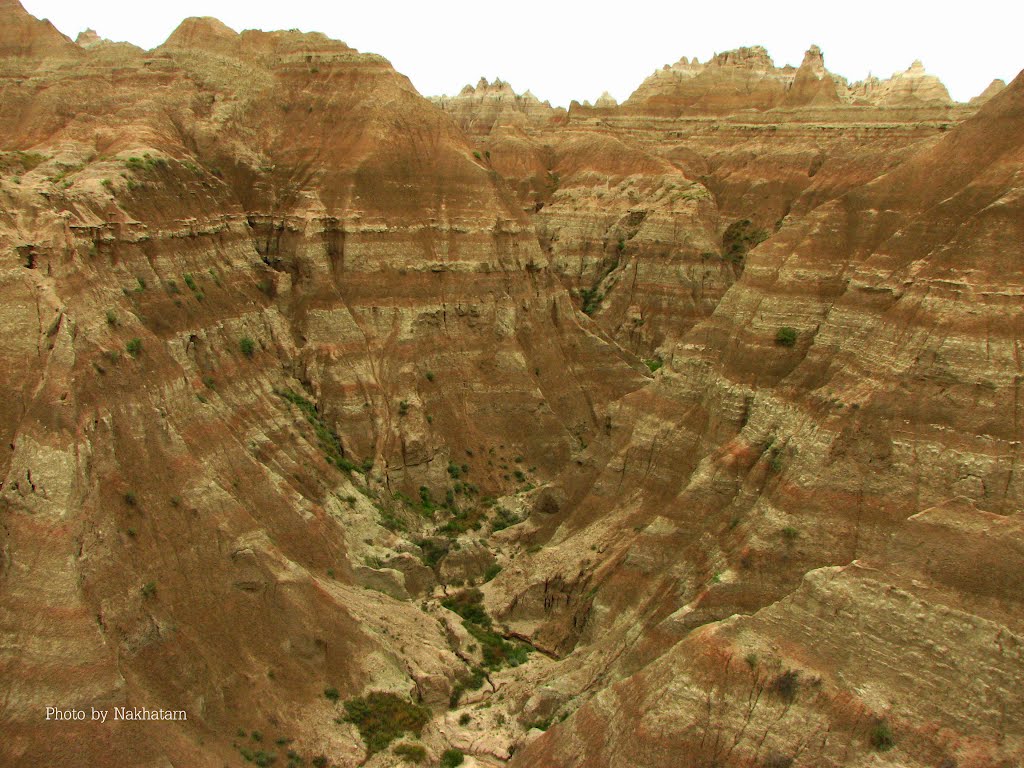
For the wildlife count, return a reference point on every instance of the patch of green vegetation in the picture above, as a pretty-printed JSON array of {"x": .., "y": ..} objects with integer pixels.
[
  {"x": 29, "y": 160},
  {"x": 881, "y": 737},
  {"x": 503, "y": 519},
  {"x": 391, "y": 521},
  {"x": 247, "y": 346},
  {"x": 474, "y": 682},
  {"x": 190, "y": 281},
  {"x": 452, "y": 758},
  {"x": 789, "y": 533},
  {"x": 491, "y": 572},
  {"x": 382, "y": 717},
  {"x": 144, "y": 163},
  {"x": 432, "y": 550},
  {"x": 331, "y": 693},
  {"x": 591, "y": 299},
  {"x": 739, "y": 238},
  {"x": 410, "y": 753},
  {"x": 785, "y": 336},
  {"x": 787, "y": 685},
  {"x": 497, "y": 651},
  {"x": 654, "y": 364},
  {"x": 430, "y": 375},
  {"x": 148, "y": 589},
  {"x": 330, "y": 445},
  {"x": 133, "y": 347},
  {"x": 403, "y": 408},
  {"x": 111, "y": 318}
]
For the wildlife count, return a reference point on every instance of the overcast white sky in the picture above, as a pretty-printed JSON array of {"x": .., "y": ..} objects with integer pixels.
[{"x": 575, "y": 50}]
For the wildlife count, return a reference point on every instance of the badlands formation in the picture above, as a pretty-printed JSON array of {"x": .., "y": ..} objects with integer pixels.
[{"x": 365, "y": 429}]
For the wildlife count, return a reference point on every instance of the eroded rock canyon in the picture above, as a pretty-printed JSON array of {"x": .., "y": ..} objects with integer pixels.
[{"x": 372, "y": 429}]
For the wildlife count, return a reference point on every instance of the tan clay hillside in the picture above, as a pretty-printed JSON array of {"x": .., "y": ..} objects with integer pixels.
[{"x": 367, "y": 429}]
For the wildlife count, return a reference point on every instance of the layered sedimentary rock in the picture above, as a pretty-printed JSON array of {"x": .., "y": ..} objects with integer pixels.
[
  {"x": 478, "y": 109},
  {"x": 910, "y": 88},
  {"x": 862, "y": 456},
  {"x": 255, "y": 287},
  {"x": 319, "y": 389},
  {"x": 647, "y": 209}
]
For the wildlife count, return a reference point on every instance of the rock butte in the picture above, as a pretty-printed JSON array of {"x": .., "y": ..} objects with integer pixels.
[{"x": 295, "y": 355}]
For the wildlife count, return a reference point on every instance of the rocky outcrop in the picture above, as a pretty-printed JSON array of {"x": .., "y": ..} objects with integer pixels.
[
  {"x": 914, "y": 87},
  {"x": 23, "y": 36},
  {"x": 993, "y": 88},
  {"x": 480, "y": 109},
  {"x": 88, "y": 38}
]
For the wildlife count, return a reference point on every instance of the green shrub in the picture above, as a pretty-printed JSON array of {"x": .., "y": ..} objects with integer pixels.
[
  {"x": 383, "y": 717},
  {"x": 881, "y": 737},
  {"x": 452, "y": 758},
  {"x": 411, "y": 753},
  {"x": 190, "y": 281},
  {"x": 786, "y": 336},
  {"x": 133, "y": 347},
  {"x": 148, "y": 589},
  {"x": 739, "y": 238},
  {"x": 111, "y": 317},
  {"x": 430, "y": 375},
  {"x": 491, "y": 572},
  {"x": 786, "y": 685},
  {"x": 654, "y": 364},
  {"x": 591, "y": 299},
  {"x": 248, "y": 346},
  {"x": 332, "y": 693},
  {"x": 503, "y": 519},
  {"x": 403, "y": 408}
]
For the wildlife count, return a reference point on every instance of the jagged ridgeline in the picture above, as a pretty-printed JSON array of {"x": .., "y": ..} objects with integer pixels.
[{"x": 367, "y": 429}]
